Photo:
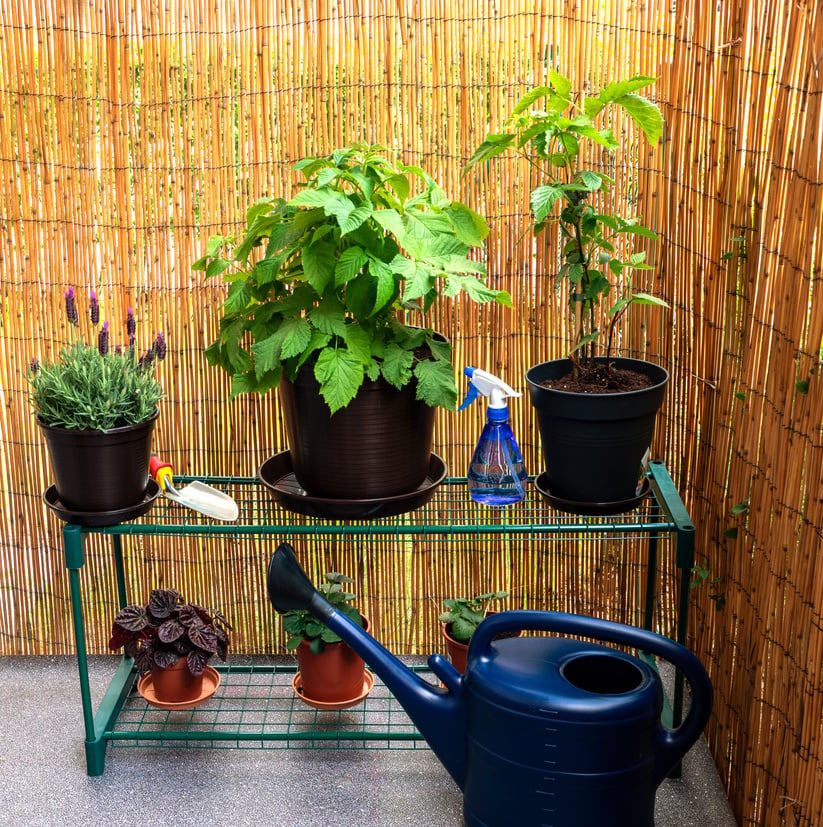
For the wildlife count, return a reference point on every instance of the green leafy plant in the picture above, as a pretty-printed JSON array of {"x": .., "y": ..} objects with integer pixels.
[
  {"x": 463, "y": 614},
  {"x": 301, "y": 625},
  {"x": 553, "y": 139},
  {"x": 168, "y": 629},
  {"x": 330, "y": 279},
  {"x": 96, "y": 387}
]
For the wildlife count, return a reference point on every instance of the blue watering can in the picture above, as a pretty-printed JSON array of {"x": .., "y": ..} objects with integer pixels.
[{"x": 540, "y": 731}]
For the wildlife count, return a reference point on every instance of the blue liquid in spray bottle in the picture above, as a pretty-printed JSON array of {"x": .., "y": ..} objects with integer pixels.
[{"x": 496, "y": 475}]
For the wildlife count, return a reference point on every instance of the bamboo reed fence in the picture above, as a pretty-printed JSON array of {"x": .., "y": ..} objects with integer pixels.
[{"x": 131, "y": 132}]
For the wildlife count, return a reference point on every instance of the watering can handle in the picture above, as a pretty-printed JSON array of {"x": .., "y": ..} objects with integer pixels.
[{"x": 672, "y": 744}]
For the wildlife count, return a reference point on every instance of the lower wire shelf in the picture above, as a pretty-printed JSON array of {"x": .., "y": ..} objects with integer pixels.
[{"x": 255, "y": 707}]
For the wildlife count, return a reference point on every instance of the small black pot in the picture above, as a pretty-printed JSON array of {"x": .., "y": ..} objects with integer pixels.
[
  {"x": 379, "y": 445},
  {"x": 593, "y": 444},
  {"x": 99, "y": 471}
]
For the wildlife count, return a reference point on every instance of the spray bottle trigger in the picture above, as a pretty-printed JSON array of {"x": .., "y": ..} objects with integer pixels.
[{"x": 470, "y": 397}]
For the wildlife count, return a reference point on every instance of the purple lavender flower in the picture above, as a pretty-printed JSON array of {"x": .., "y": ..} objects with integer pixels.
[
  {"x": 118, "y": 351},
  {"x": 103, "y": 339},
  {"x": 34, "y": 365},
  {"x": 131, "y": 342},
  {"x": 131, "y": 324},
  {"x": 159, "y": 346},
  {"x": 71, "y": 307},
  {"x": 146, "y": 359},
  {"x": 94, "y": 309}
]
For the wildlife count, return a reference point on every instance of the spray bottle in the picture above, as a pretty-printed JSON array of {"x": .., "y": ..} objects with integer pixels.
[{"x": 496, "y": 475}]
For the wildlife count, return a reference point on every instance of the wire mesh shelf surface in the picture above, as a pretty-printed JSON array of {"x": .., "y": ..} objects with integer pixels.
[
  {"x": 450, "y": 511},
  {"x": 255, "y": 707}
]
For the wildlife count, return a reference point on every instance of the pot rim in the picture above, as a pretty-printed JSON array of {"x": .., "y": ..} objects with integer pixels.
[
  {"x": 618, "y": 359},
  {"x": 96, "y": 431}
]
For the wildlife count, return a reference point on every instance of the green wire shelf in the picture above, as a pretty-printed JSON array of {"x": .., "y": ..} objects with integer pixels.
[{"x": 255, "y": 708}]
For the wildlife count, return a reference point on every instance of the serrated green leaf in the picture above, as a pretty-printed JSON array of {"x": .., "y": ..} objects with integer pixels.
[
  {"x": 533, "y": 95},
  {"x": 648, "y": 298},
  {"x": 470, "y": 227},
  {"x": 591, "y": 180},
  {"x": 391, "y": 222},
  {"x": 329, "y": 316},
  {"x": 620, "y": 88},
  {"x": 213, "y": 245},
  {"x": 355, "y": 218},
  {"x": 242, "y": 383},
  {"x": 385, "y": 284},
  {"x": 349, "y": 265},
  {"x": 340, "y": 375},
  {"x": 741, "y": 507},
  {"x": 645, "y": 114},
  {"x": 420, "y": 284},
  {"x": 296, "y": 334},
  {"x": 493, "y": 145},
  {"x": 216, "y": 267},
  {"x": 318, "y": 265},
  {"x": 562, "y": 85},
  {"x": 396, "y": 366},
  {"x": 358, "y": 343},
  {"x": 435, "y": 384},
  {"x": 542, "y": 200},
  {"x": 238, "y": 298},
  {"x": 313, "y": 198}
]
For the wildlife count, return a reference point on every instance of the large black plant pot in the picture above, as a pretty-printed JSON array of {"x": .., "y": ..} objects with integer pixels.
[
  {"x": 593, "y": 444},
  {"x": 100, "y": 471},
  {"x": 379, "y": 445}
]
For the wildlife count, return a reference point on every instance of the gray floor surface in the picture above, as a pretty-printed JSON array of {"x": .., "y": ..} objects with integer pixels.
[{"x": 43, "y": 777}]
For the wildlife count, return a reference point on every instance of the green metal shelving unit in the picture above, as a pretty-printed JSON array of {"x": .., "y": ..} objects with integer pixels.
[{"x": 255, "y": 705}]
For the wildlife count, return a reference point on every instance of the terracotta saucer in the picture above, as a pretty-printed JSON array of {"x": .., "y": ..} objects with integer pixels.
[
  {"x": 277, "y": 474},
  {"x": 591, "y": 509},
  {"x": 368, "y": 683},
  {"x": 211, "y": 680},
  {"x": 99, "y": 519}
]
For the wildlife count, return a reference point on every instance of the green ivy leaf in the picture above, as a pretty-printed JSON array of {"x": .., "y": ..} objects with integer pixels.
[
  {"x": 340, "y": 375},
  {"x": 435, "y": 384}
]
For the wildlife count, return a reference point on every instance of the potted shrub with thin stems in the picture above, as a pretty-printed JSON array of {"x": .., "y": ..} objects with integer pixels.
[
  {"x": 328, "y": 300},
  {"x": 96, "y": 405},
  {"x": 556, "y": 131},
  {"x": 461, "y": 617},
  {"x": 174, "y": 640},
  {"x": 330, "y": 672}
]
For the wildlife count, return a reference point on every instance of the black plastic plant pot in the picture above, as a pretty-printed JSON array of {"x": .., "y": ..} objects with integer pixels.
[
  {"x": 379, "y": 445},
  {"x": 593, "y": 444},
  {"x": 100, "y": 471}
]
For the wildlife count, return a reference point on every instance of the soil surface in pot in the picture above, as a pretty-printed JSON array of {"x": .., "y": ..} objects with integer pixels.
[{"x": 597, "y": 378}]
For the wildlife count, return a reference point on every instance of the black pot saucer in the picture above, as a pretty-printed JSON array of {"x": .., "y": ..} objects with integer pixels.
[
  {"x": 277, "y": 474},
  {"x": 588, "y": 508},
  {"x": 100, "y": 519},
  {"x": 368, "y": 683}
]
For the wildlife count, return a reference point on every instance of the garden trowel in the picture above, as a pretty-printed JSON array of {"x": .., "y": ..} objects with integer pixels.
[{"x": 196, "y": 495}]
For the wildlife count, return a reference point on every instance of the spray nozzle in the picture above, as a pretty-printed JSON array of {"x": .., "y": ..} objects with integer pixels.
[{"x": 486, "y": 384}]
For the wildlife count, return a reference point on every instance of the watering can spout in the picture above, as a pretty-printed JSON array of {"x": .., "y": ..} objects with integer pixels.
[{"x": 436, "y": 712}]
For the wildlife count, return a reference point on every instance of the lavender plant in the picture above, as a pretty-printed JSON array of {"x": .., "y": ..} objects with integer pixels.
[{"x": 98, "y": 387}]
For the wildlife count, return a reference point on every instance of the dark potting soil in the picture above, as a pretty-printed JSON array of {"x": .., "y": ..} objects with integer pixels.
[{"x": 598, "y": 379}]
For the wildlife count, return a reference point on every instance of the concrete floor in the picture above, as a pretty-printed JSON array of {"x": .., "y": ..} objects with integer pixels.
[{"x": 43, "y": 777}]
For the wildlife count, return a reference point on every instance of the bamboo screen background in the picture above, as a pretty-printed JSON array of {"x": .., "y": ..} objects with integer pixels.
[{"x": 128, "y": 136}]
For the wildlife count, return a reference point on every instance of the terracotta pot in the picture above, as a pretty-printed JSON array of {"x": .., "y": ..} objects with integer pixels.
[
  {"x": 333, "y": 676},
  {"x": 379, "y": 445},
  {"x": 457, "y": 650},
  {"x": 99, "y": 471},
  {"x": 175, "y": 684}
]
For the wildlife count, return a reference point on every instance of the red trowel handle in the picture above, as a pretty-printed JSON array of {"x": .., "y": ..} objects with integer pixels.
[{"x": 160, "y": 471}]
